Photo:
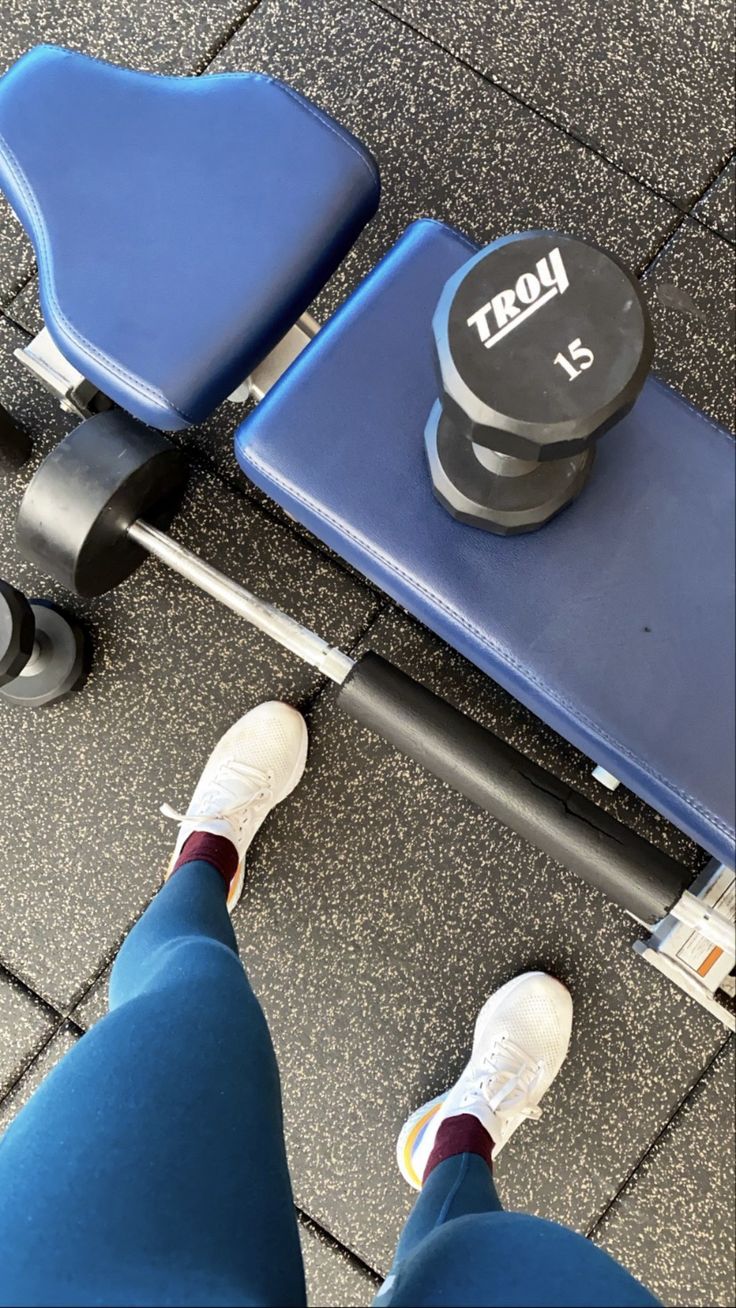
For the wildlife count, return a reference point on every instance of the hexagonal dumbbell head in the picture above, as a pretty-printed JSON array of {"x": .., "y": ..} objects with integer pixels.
[
  {"x": 543, "y": 342},
  {"x": 43, "y": 654},
  {"x": 17, "y": 632}
]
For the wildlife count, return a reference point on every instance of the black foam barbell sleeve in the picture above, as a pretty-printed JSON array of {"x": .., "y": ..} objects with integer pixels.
[{"x": 517, "y": 791}]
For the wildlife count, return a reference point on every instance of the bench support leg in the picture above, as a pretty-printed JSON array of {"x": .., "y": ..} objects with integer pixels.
[
  {"x": 74, "y": 392},
  {"x": 281, "y": 357},
  {"x": 695, "y": 944}
]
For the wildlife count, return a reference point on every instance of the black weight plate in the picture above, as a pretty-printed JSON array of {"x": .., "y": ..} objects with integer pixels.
[
  {"x": 57, "y": 668},
  {"x": 543, "y": 340},
  {"x": 75, "y": 513}
]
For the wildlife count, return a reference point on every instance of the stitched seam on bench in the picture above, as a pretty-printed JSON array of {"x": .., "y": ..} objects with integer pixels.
[
  {"x": 492, "y": 646},
  {"x": 136, "y": 384}
]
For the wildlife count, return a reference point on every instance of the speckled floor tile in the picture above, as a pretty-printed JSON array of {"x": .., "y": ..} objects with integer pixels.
[
  {"x": 83, "y": 779},
  {"x": 372, "y": 937},
  {"x": 334, "y": 1280},
  {"x": 16, "y": 255},
  {"x": 24, "y": 309},
  {"x": 647, "y": 83},
  {"x": 684, "y": 1187},
  {"x": 718, "y": 206},
  {"x": 25, "y": 1026},
  {"x": 690, "y": 291},
  {"x": 65, "y": 1038},
  {"x": 179, "y": 38},
  {"x": 448, "y": 145}
]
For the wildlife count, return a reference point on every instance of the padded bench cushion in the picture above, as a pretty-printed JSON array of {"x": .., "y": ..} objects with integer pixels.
[
  {"x": 615, "y": 623},
  {"x": 181, "y": 224}
]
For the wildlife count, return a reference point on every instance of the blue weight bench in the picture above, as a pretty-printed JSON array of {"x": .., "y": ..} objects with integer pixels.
[
  {"x": 191, "y": 224},
  {"x": 181, "y": 225},
  {"x": 614, "y": 623}
]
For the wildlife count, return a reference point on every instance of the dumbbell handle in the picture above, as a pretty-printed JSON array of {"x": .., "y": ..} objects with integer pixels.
[
  {"x": 266, "y": 617},
  {"x": 458, "y": 750}
]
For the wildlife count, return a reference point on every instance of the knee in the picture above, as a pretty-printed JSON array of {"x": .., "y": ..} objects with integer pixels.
[
  {"x": 195, "y": 966},
  {"x": 505, "y": 1258}
]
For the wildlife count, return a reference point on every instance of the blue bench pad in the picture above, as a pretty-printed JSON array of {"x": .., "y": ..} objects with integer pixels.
[
  {"x": 181, "y": 224},
  {"x": 615, "y": 623}
]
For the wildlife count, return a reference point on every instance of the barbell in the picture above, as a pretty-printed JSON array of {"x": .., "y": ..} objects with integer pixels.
[{"x": 100, "y": 503}]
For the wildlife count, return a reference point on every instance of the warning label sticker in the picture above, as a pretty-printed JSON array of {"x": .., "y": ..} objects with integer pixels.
[{"x": 698, "y": 953}]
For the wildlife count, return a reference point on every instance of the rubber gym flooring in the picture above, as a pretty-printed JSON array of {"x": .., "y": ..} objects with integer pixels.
[{"x": 381, "y": 907}]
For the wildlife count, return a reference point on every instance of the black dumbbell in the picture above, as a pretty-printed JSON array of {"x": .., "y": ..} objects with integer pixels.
[
  {"x": 542, "y": 343},
  {"x": 15, "y": 446},
  {"x": 42, "y": 653}
]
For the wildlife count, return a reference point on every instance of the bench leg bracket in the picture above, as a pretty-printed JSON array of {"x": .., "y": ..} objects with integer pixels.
[
  {"x": 74, "y": 392},
  {"x": 695, "y": 944}
]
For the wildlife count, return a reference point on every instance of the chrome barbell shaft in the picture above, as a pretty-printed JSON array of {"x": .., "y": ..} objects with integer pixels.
[{"x": 266, "y": 617}]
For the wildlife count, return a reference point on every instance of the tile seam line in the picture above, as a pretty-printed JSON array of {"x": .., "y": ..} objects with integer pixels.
[
  {"x": 357, "y": 1262},
  {"x": 66, "y": 1019},
  {"x": 20, "y": 288},
  {"x": 227, "y": 36},
  {"x": 354, "y": 1258},
  {"x": 685, "y": 210},
  {"x": 30, "y": 993},
  {"x": 595, "y": 1226},
  {"x": 641, "y": 182},
  {"x": 199, "y": 67},
  {"x": 31, "y": 1062},
  {"x": 671, "y": 237},
  {"x": 703, "y": 222}
]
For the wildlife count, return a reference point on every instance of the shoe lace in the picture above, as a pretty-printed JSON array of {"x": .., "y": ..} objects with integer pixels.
[
  {"x": 506, "y": 1078},
  {"x": 230, "y": 779}
]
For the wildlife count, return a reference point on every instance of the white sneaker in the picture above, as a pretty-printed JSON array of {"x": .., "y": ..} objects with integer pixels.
[
  {"x": 521, "y": 1038},
  {"x": 255, "y": 765}
]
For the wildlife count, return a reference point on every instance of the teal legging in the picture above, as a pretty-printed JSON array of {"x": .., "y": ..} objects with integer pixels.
[{"x": 149, "y": 1168}]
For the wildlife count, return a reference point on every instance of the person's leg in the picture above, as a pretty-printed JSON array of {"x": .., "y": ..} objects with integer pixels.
[
  {"x": 444, "y": 1148},
  {"x": 510, "y": 1260},
  {"x": 458, "y": 1245},
  {"x": 458, "y": 1181},
  {"x": 149, "y": 1168}
]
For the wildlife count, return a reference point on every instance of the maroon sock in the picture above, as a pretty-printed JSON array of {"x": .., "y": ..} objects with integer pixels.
[
  {"x": 461, "y": 1134},
  {"x": 209, "y": 848}
]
